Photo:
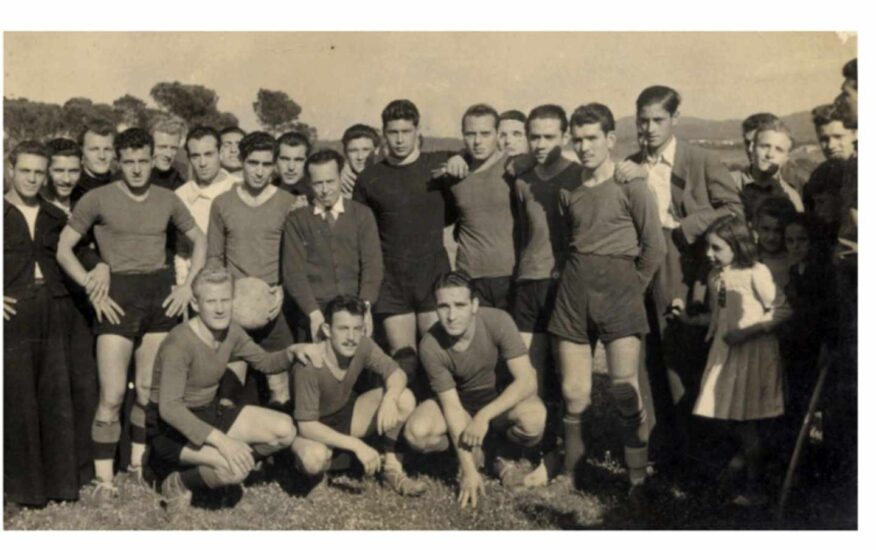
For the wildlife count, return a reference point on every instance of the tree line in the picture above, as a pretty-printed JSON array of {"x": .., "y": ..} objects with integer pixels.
[{"x": 193, "y": 103}]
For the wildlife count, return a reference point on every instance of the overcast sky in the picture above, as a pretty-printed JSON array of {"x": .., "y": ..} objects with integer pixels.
[{"x": 342, "y": 78}]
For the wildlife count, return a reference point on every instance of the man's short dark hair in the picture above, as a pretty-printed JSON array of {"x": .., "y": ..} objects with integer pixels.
[
  {"x": 200, "y": 132},
  {"x": 358, "y": 131},
  {"x": 325, "y": 156},
  {"x": 257, "y": 141},
  {"x": 513, "y": 114},
  {"x": 831, "y": 112},
  {"x": 481, "y": 109},
  {"x": 231, "y": 130},
  {"x": 28, "y": 147},
  {"x": 400, "y": 109},
  {"x": 454, "y": 279},
  {"x": 755, "y": 121},
  {"x": 63, "y": 147},
  {"x": 98, "y": 127},
  {"x": 133, "y": 138},
  {"x": 294, "y": 139},
  {"x": 850, "y": 71},
  {"x": 668, "y": 98},
  {"x": 345, "y": 302},
  {"x": 779, "y": 208},
  {"x": 548, "y": 111},
  {"x": 593, "y": 113}
]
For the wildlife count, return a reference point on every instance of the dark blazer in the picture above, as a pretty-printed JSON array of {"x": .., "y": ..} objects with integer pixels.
[
  {"x": 20, "y": 252},
  {"x": 702, "y": 188}
]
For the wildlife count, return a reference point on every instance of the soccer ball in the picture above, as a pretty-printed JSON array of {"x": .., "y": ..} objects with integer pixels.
[{"x": 253, "y": 301}]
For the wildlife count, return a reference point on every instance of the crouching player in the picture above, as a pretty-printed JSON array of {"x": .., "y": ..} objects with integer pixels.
[
  {"x": 330, "y": 413},
  {"x": 195, "y": 442},
  {"x": 479, "y": 368}
]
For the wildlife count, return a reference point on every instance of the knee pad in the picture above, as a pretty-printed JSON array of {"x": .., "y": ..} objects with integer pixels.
[
  {"x": 407, "y": 360},
  {"x": 626, "y": 399}
]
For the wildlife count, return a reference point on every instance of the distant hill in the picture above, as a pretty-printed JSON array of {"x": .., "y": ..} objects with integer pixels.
[
  {"x": 689, "y": 128},
  {"x": 693, "y": 128}
]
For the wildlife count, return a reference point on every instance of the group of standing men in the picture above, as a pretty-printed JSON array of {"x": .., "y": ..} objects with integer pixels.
[{"x": 553, "y": 256}]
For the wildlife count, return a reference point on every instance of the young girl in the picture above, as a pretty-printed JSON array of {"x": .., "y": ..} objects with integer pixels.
[{"x": 742, "y": 382}]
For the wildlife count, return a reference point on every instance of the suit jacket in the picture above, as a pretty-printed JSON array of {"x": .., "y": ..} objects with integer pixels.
[{"x": 702, "y": 189}]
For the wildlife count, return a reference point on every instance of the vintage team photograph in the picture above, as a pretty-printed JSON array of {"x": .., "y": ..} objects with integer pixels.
[{"x": 430, "y": 281}]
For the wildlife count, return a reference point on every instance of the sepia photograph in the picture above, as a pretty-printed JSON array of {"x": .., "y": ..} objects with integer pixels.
[{"x": 452, "y": 280}]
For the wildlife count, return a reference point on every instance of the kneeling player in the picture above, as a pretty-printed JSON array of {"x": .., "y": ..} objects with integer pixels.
[
  {"x": 465, "y": 356},
  {"x": 331, "y": 415},
  {"x": 195, "y": 442}
]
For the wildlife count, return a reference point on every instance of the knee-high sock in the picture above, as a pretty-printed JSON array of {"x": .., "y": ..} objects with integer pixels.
[
  {"x": 138, "y": 424},
  {"x": 634, "y": 430},
  {"x": 574, "y": 441},
  {"x": 105, "y": 437}
]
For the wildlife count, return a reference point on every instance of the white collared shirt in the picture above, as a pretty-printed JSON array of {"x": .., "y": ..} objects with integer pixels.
[
  {"x": 198, "y": 199},
  {"x": 336, "y": 210},
  {"x": 660, "y": 182}
]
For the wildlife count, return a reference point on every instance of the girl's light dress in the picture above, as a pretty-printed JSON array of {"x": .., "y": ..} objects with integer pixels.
[{"x": 743, "y": 381}]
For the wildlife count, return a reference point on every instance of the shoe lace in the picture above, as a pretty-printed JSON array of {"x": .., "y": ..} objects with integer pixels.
[{"x": 102, "y": 486}]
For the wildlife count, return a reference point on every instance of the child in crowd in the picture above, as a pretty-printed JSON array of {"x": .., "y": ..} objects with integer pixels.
[
  {"x": 770, "y": 219},
  {"x": 811, "y": 292},
  {"x": 742, "y": 382}
]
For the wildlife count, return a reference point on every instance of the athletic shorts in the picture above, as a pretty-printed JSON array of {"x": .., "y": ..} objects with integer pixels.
[
  {"x": 274, "y": 336},
  {"x": 407, "y": 284},
  {"x": 342, "y": 420},
  {"x": 166, "y": 443},
  {"x": 532, "y": 302},
  {"x": 140, "y": 296},
  {"x": 600, "y": 297},
  {"x": 475, "y": 400},
  {"x": 493, "y": 291}
]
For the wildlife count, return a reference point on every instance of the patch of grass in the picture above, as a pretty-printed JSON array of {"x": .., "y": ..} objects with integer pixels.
[{"x": 272, "y": 500}]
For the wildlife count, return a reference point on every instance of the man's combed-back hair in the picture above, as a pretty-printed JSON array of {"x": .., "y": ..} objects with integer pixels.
[
  {"x": 133, "y": 138},
  {"x": 481, "y": 109},
  {"x": 549, "y": 111},
  {"x": 454, "y": 279},
  {"x": 257, "y": 141},
  {"x": 668, "y": 98},
  {"x": 400, "y": 109},
  {"x": 28, "y": 147},
  {"x": 295, "y": 139},
  {"x": 850, "y": 71},
  {"x": 832, "y": 112},
  {"x": 98, "y": 127},
  {"x": 513, "y": 114},
  {"x": 756, "y": 120},
  {"x": 344, "y": 302},
  {"x": 63, "y": 147},
  {"x": 200, "y": 132},
  {"x": 593, "y": 113},
  {"x": 358, "y": 131},
  {"x": 231, "y": 130},
  {"x": 325, "y": 156},
  {"x": 213, "y": 275},
  {"x": 169, "y": 124},
  {"x": 775, "y": 126}
]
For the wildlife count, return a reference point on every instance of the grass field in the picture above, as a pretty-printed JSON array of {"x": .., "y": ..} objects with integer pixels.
[{"x": 273, "y": 500}]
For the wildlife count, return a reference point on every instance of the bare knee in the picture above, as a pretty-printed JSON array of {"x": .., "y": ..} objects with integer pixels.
[
  {"x": 143, "y": 392},
  {"x": 576, "y": 394},
  {"x": 418, "y": 433},
  {"x": 285, "y": 431},
  {"x": 313, "y": 459},
  {"x": 406, "y": 403},
  {"x": 110, "y": 406},
  {"x": 531, "y": 419}
]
